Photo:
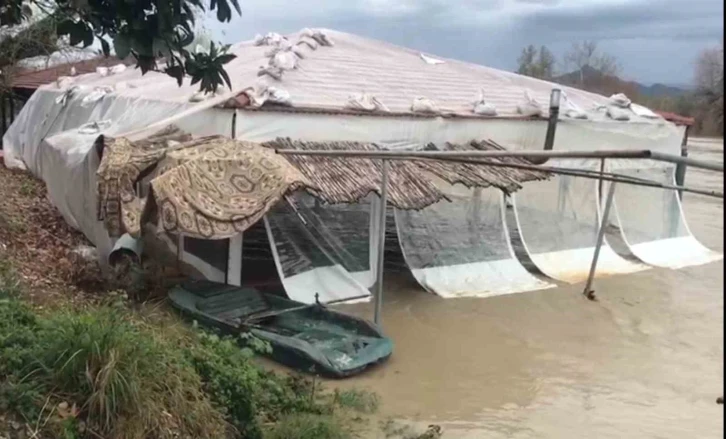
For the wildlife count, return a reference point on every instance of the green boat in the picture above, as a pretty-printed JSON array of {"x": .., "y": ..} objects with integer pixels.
[{"x": 310, "y": 338}]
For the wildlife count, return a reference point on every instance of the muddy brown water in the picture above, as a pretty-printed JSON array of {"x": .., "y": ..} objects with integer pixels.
[{"x": 645, "y": 361}]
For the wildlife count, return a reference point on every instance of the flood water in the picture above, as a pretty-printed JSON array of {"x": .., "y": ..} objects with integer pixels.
[{"x": 645, "y": 361}]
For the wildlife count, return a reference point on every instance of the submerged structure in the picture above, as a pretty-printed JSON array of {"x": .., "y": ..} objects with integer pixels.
[{"x": 127, "y": 156}]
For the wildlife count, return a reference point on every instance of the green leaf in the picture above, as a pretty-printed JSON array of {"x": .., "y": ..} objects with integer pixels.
[
  {"x": 225, "y": 76},
  {"x": 77, "y": 34},
  {"x": 236, "y": 6},
  {"x": 176, "y": 72},
  {"x": 224, "y": 14},
  {"x": 224, "y": 59},
  {"x": 105, "y": 47},
  {"x": 87, "y": 36},
  {"x": 65, "y": 27},
  {"x": 121, "y": 46}
]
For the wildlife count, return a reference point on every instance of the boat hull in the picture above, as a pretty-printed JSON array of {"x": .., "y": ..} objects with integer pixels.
[{"x": 312, "y": 339}]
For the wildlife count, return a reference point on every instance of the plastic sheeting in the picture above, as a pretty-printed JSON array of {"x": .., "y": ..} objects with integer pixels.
[
  {"x": 413, "y": 133},
  {"x": 324, "y": 249},
  {"x": 461, "y": 248},
  {"x": 652, "y": 223},
  {"x": 559, "y": 221}
]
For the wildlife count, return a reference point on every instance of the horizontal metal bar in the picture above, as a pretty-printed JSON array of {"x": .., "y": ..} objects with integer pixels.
[
  {"x": 609, "y": 154},
  {"x": 595, "y": 175},
  {"x": 688, "y": 161}
]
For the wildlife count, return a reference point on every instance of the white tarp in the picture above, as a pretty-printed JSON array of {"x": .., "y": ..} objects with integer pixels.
[
  {"x": 559, "y": 221},
  {"x": 308, "y": 265},
  {"x": 652, "y": 223},
  {"x": 461, "y": 248}
]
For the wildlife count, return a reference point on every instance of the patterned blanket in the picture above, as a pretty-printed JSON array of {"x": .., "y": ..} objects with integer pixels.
[{"x": 211, "y": 187}]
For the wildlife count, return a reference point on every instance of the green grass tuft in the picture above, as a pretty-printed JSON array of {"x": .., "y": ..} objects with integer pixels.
[
  {"x": 309, "y": 426},
  {"x": 358, "y": 400}
]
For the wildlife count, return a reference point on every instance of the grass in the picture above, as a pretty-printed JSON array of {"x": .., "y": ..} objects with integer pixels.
[
  {"x": 136, "y": 372},
  {"x": 357, "y": 400},
  {"x": 124, "y": 381},
  {"x": 309, "y": 426}
]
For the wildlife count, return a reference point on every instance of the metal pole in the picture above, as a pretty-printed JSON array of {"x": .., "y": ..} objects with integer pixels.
[
  {"x": 681, "y": 168},
  {"x": 610, "y": 154},
  {"x": 551, "y": 124},
  {"x": 588, "y": 292},
  {"x": 381, "y": 242},
  {"x": 600, "y": 181},
  {"x": 554, "y": 116}
]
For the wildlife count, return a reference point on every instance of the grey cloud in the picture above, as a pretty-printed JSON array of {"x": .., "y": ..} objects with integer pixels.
[{"x": 655, "y": 41}]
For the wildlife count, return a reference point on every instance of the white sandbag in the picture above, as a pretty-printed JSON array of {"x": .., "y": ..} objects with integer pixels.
[
  {"x": 529, "y": 107},
  {"x": 429, "y": 60},
  {"x": 103, "y": 71},
  {"x": 64, "y": 82},
  {"x": 619, "y": 100},
  {"x": 68, "y": 94},
  {"x": 284, "y": 60},
  {"x": 571, "y": 110},
  {"x": 118, "y": 68},
  {"x": 365, "y": 102},
  {"x": 278, "y": 96},
  {"x": 321, "y": 38},
  {"x": 483, "y": 108},
  {"x": 283, "y": 45},
  {"x": 94, "y": 127},
  {"x": 424, "y": 105},
  {"x": 96, "y": 95},
  {"x": 261, "y": 92},
  {"x": 312, "y": 44},
  {"x": 270, "y": 39},
  {"x": 574, "y": 114}
]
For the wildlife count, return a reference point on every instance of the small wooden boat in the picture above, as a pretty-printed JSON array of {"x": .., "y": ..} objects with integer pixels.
[{"x": 310, "y": 338}]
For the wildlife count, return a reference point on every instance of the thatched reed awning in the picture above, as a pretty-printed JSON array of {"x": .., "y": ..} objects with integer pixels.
[
  {"x": 215, "y": 187},
  {"x": 347, "y": 179},
  {"x": 471, "y": 175}
]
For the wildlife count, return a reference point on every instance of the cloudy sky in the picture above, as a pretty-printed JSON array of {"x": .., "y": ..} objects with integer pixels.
[{"x": 654, "y": 40}]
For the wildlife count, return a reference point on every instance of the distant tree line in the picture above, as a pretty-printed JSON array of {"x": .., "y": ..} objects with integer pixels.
[{"x": 586, "y": 67}]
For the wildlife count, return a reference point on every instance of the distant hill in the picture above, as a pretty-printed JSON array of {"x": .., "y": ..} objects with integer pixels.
[
  {"x": 661, "y": 90},
  {"x": 596, "y": 81}
]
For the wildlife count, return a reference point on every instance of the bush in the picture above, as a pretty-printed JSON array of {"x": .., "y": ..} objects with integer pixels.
[
  {"x": 229, "y": 379},
  {"x": 111, "y": 372},
  {"x": 125, "y": 380}
]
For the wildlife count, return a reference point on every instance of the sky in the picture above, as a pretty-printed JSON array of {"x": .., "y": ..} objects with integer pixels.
[{"x": 654, "y": 40}]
